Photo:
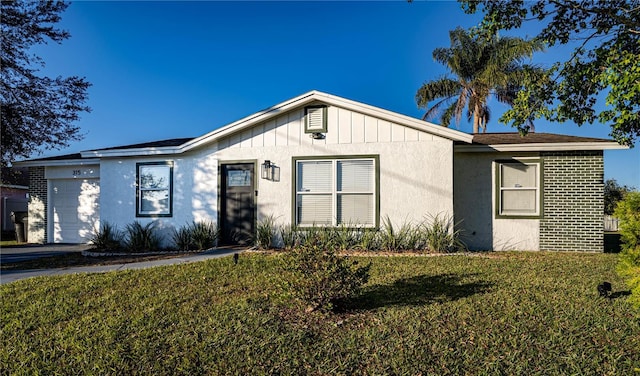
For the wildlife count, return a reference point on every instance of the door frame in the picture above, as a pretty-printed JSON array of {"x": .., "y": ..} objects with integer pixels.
[{"x": 256, "y": 176}]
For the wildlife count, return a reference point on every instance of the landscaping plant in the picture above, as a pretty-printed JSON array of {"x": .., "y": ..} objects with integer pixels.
[
  {"x": 320, "y": 278},
  {"x": 107, "y": 238},
  {"x": 441, "y": 236},
  {"x": 266, "y": 232},
  {"x": 204, "y": 235},
  {"x": 628, "y": 212},
  {"x": 139, "y": 238}
]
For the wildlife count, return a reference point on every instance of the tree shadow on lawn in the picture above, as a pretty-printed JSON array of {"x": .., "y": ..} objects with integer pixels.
[{"x": 419, "y": 290}]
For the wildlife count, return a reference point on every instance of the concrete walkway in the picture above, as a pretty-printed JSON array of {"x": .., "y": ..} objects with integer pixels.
[{"x": 15, "y": 275}]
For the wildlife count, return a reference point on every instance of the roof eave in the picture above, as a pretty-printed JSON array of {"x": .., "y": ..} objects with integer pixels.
[
  {"x": 130, "y": 152},
  {"x": 561, "y": 146},
  {"x": 58, "y": 162}
]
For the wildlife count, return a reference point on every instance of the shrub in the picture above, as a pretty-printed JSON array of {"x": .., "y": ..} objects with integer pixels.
[
  {"x": 108, "y": 237},
  {"x": 322, "y": 280},
  {"x": 441, "y": 236},
  {"x": 407, "y": 237},
  {"x": 367, "y": 239},
  {"x": 266, "y": 233},
  {"x": 139, "y": 238},
  {"x": 204, "y": 235},
  {"x": 628, "y": 212},
  {"x": 182, "y": 238},
  {"x": 290, "y": 236}
]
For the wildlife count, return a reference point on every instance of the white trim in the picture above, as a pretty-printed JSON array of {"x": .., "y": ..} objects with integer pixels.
[
  {"x": 498, "y": 165},
  {"x": 58, "y": 162},
  {"x": 565, "y": 146},
  {"x": 13, "y": 186},
  {"x": 131, "y": 152}
]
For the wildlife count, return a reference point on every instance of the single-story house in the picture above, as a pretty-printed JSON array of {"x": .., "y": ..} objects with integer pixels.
[{"x": 325, "y": 160}]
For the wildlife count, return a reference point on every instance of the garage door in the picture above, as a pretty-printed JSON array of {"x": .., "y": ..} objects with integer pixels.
[{"x": 76, "y": 209}]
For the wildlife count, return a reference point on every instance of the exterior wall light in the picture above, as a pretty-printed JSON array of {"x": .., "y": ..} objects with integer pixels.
[
  {"x": 270, "y": 171},
  {"x": 266, "y": 170}
]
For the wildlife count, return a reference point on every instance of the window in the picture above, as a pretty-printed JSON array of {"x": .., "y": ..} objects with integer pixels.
[
  {"x": 315, "y": 119},
  {"x": 518, "y": 193},
  {"x": 154, "y": 189},
  {"x": 330, "y": 192}
]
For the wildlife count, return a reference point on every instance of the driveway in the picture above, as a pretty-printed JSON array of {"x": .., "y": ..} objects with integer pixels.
[
  {"x": 30, "y": 252},
  {"x": 35, "y": 251}
]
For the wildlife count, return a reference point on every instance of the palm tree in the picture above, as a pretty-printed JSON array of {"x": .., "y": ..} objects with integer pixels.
[{"x": 485, "y": 66}]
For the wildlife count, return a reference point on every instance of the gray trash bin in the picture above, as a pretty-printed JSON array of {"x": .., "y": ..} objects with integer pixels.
[{"x": 21, "y": 221}]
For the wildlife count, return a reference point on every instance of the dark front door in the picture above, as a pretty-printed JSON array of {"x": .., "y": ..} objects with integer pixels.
[{"x": 237, "y": 203}]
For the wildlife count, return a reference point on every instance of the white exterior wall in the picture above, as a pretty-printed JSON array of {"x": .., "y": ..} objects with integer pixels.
[
  {"x": 194, "y": 190},
  {"x": 415, "y": 170},
  {"x": 474, "y": 206},
  {"x": 415, "y": 167}
]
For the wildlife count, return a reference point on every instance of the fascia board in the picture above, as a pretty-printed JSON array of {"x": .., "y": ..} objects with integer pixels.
[
  {"x": 13, "y": 186},
  {"x": 130, "y": 152},
  {"x": 66, "y": 162},
  {"x": 566, "y": 146}
]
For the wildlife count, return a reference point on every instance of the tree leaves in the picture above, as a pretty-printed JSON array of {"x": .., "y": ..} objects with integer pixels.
[
  {"x": 37, "y": 112},
  {"x": 484, "y": 65},
  {"x": 605, "y": 61}
]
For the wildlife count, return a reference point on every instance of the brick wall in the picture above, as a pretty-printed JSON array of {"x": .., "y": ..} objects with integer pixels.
[
  {"x": 37, "y": 205},
  {"x": 573, "y": 202}
]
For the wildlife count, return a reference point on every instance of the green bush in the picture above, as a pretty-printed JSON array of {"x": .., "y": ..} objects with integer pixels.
[
  {"x": 441, "y": 236},
  {"x": 139, "y": 238},
  {"x": 290, "y": 236},
  {"x": 108, "y": 237},
  {"x": 266, "y": 233},
  {"x": 204, "y": 235},
  {"x": 182, "y": 238},
  {"x": 628, "y": 212},
  {"x": 321, "y": 279}
]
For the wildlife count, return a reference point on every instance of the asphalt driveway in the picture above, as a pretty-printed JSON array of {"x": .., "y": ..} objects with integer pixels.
[
  {"x": 30, "y": 252},
  {"x": 35, "y": 251}
]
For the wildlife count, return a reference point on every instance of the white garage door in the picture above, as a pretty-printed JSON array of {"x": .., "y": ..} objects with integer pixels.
[{"x": 76, "y": 209}]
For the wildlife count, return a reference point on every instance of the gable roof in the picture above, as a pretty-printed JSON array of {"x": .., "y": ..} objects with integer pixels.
[
  {"x": 513, "y": 141},
  {"x": 317, "y": 96},
  {"x": 274, "y": 111}
]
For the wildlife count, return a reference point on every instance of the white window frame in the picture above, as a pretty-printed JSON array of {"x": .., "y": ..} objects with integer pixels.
[
  {"x": 334, "y": 192},
  {"x": 499, "y": 189},
  {"x": 139, "y": 190}
]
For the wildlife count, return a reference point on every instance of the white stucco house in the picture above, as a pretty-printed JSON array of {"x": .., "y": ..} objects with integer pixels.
[{"x": 326, "y": 160}]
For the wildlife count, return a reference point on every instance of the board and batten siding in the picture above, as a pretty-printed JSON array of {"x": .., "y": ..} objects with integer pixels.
[
  {"x": 415, "y": 166},
  {"x": 345, "y": 127}
]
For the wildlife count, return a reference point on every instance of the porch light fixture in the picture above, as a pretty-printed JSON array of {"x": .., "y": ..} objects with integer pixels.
[
  {"x": 270, "y": 171},
  {"x": 266, "y": 170}
]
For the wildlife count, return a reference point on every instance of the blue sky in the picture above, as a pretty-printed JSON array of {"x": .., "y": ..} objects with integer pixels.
[{"x": 181, "y": 69}]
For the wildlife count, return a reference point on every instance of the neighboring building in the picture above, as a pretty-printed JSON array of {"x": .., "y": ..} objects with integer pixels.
[
  {"x": 14, "y": 192},
  {"x": 325, "y": 160}
]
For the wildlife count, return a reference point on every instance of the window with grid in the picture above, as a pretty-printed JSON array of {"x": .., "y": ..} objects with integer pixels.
[
  {"x": 518, "y": 189},
  {"x": 154, "y": 189},
  {"x": 331, "y": 192}
]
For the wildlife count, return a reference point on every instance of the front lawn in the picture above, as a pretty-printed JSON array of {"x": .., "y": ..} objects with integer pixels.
[{"x": 501, "y": 313}]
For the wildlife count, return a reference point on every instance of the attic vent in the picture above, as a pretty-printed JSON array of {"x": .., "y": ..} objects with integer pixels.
[{"x": 315, "y": 119}]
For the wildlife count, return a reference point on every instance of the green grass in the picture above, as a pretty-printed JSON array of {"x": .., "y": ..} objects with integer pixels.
[{"x": 503, "y": 313}]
